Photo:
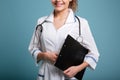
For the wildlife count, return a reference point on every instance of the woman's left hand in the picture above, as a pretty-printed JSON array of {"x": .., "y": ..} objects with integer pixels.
[{"x": 71, "y": 71}]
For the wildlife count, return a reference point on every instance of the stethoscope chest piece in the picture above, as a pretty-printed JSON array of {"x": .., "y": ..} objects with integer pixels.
[{"x": 79, "y": 39}]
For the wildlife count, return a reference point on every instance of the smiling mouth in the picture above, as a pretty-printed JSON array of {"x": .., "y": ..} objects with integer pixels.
[{"x": 59, "y": 4}]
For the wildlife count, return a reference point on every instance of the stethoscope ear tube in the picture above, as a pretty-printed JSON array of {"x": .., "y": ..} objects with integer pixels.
[
  {"x": 39, "y": 26},
  {"x": 38, "y": 31}
]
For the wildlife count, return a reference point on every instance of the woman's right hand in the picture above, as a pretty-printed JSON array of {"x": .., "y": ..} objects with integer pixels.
[{"x": 50, "y": 56}]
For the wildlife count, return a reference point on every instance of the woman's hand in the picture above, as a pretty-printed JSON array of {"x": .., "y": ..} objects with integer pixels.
[
  {"x": 50, "y": 56},
  {"x": 73, "y": 70}
]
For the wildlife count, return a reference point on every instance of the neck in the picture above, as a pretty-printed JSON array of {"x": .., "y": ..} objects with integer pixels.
[{"x": 61, "y": 14}]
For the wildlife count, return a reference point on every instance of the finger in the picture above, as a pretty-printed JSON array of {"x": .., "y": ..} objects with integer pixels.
[
  {"x": 56, "y": 54},
  {"x": 66, "y": 71},
  {"x": 55, "y": 57}
]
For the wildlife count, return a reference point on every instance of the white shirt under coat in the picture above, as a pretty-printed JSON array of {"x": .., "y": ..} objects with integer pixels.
[{"x": 52, "y": 39}]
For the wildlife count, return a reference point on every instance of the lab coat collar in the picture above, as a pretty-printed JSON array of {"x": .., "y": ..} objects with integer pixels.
[{"x": 70, "y": 18}]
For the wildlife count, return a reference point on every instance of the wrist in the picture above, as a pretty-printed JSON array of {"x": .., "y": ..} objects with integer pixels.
[
  {"x": 82, "y": 66},
  {"x": 41, "y": 56}
]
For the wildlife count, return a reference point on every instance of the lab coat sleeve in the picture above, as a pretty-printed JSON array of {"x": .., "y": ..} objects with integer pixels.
[
  {"x": 34, "y": 47},
  {"x": 93, "y": 55},
  {"x": 35, "y": 43}
]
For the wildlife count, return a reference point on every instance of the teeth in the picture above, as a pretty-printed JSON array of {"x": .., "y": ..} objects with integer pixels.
[{"x": 59, "y": 4}]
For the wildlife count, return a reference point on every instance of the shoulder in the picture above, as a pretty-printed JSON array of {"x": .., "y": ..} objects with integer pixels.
[{"x": 41, "y": 19}]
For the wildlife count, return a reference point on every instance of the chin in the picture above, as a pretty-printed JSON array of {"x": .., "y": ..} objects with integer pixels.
[{"x": 59, "y": 9}]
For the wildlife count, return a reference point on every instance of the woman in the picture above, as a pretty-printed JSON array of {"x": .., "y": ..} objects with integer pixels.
[{"x": 48, "y": 40}]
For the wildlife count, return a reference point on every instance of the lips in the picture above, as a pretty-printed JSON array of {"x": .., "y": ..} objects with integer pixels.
[{"x": 59, "y": 4}]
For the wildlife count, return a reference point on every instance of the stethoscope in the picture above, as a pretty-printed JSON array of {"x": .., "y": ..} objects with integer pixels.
[
  {"x": 79, "y": 38},
  {"x": 39, "y": 29}
]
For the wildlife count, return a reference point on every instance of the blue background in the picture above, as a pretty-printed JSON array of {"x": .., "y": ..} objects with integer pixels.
[{"x": 17, "y": 21}]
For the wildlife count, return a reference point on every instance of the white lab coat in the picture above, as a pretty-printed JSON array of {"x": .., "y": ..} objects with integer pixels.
[{"x": 51, "y": 39}]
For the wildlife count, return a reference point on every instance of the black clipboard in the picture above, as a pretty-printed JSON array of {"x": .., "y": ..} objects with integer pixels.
[{"x": 71, "y": 54}]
